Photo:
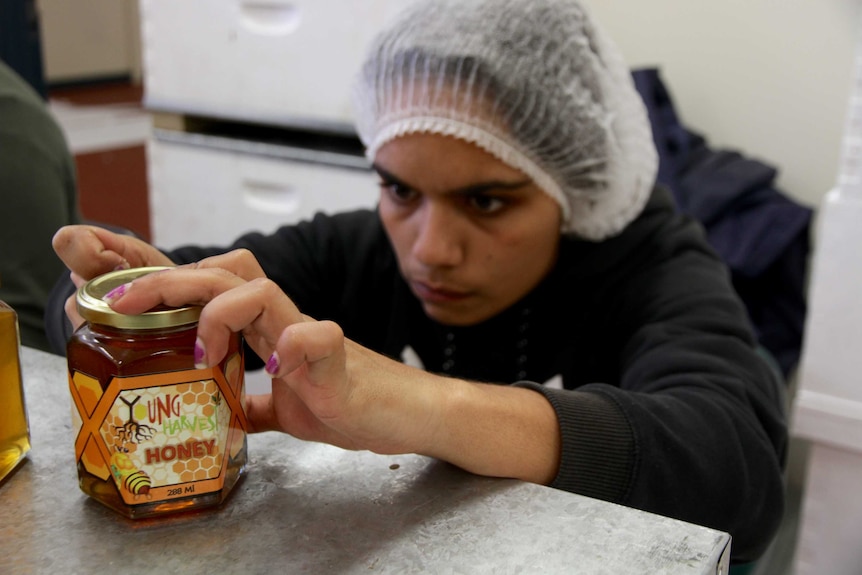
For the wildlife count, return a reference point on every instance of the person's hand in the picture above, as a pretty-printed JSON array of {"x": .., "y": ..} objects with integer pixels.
[
  {"x": 325, "y": 387},
  {"x": 90, "y": 251},
  {"x": 328, "y": 388}
]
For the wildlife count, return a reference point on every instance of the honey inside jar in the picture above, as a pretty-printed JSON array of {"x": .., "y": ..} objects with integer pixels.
[
  {"x": 14, "y": 429},
  {"x": 155, "y": 435}
]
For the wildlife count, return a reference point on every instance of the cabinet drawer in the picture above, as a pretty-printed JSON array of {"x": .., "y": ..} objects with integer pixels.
[
  {"x": 283, "y": 62},
  {"x": 203, "y": 195}
]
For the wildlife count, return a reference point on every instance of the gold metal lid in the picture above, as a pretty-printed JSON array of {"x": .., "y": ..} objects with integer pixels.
[{"x": 94, "y": 309}]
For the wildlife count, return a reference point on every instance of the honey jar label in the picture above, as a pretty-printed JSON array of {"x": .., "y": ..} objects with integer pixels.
[{"x": 160, "y": 436}]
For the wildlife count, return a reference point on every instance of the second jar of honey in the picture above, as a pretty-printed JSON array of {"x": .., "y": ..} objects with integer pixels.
[{"x": 154, "y": 435}]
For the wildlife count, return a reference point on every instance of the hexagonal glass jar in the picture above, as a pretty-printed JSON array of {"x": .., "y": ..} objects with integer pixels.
[{"x": 153, "y": 434}]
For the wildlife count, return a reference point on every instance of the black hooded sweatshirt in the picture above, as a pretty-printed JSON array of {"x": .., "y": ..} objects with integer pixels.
[{"x": 664, "y": 399}]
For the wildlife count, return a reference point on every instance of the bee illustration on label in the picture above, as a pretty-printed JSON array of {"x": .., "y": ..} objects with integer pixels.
[
  {"x": 133, "y": 480},
  {"x": 216, "y": 397}
]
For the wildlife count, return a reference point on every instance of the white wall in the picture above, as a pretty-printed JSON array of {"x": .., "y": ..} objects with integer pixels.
[{"x": 769, "y": 78}]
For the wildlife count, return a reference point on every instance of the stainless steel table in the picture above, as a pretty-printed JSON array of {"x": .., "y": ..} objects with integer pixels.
[{"x": 311, "y": 508}]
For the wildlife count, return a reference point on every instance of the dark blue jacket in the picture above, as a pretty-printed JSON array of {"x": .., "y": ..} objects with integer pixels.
[{"x": 761, "y": 234}]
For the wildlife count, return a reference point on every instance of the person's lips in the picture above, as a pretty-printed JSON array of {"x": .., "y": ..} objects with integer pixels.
[{"x": 436, "y": 294}]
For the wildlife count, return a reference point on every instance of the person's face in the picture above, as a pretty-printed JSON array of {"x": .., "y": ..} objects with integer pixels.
[{"x": 472, "y": 234}]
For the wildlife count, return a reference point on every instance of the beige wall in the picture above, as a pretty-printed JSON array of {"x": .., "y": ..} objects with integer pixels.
[
  {"x": 770, "y": 78},
  {"x": 84, "y": 39}
]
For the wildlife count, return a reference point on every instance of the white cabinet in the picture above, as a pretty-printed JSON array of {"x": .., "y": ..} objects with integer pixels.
[
  {"x": 209, "y": 190},
  {"x": 282, "y": 62},
  {"x": 275, "y": 64}
]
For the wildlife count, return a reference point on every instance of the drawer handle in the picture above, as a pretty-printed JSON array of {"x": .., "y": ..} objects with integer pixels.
[
  {"x": 271, "y": 18},
  {"x": 271, "y": 198}
]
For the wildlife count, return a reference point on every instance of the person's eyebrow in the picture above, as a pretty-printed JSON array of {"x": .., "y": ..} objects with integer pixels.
[
  {"x": 390, "y": 178},
  {"x": 465, "y": 191}
]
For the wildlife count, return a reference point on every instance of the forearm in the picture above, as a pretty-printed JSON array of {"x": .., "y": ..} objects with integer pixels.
[{"x": 496, "y": 430}]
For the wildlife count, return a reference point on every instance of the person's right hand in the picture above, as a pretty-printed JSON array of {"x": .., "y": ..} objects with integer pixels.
[{"x": 90, "y": 251}]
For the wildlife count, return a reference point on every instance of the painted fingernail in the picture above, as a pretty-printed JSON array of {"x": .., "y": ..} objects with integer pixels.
[
  {"x": 116, "y": 293},
  {"x": 123, "y": 265},
  {"x": 272, "y": 364},
  {"x": 200, "y": 354}
]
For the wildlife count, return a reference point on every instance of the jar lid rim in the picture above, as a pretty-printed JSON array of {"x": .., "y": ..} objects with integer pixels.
[{"x": 95, "y": 309}]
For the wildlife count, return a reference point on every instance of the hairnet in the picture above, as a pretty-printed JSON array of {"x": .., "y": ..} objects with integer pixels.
[{"x": 533, "y": 82}]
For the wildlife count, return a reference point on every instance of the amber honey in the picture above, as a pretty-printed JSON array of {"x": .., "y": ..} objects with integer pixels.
[
  {"x": 14, "y": 431},
  {"x": 154, "y": 435}
]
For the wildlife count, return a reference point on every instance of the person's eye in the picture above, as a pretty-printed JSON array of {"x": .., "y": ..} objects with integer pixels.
[
  {"x": 397, "y": 192},
  {"x": 486, "y": 204}
]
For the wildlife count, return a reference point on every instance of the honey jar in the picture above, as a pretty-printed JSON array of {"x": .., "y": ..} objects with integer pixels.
[
  {"x": 14, "y": 429},
  {"x": 153, "y": 434}
]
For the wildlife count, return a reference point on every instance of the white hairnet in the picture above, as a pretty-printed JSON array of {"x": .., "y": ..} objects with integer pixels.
[{"x": 534, "y": 83}]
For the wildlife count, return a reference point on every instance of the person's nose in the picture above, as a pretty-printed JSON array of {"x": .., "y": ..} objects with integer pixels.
[{"x": 437, "y": 241}]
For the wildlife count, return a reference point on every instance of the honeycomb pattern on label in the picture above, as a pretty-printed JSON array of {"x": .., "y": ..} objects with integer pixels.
[{"x": 172, "y": 434}]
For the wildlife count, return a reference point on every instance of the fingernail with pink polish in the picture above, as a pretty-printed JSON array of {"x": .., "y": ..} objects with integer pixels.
[
  {"x": 272, "y": 364},
  {"x": 116, "y": 293},
  {"x": 200, "y": 354},
  {"x": 123, "y": 265}
]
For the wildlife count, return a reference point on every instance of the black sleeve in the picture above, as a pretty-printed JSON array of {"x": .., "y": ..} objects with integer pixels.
[
  {"x": 317, "y": 261},
  {"x": 694, "y": 428},
  {"x": 323, "y": 264}
]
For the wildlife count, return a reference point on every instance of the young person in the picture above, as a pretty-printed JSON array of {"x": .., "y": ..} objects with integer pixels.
[{"x": 572, "y": 328}]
